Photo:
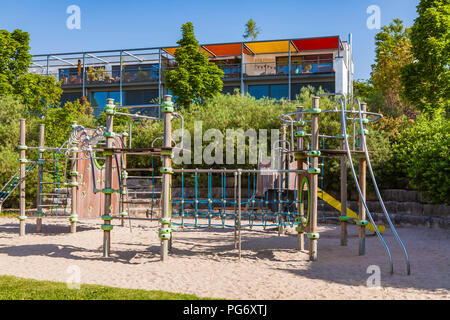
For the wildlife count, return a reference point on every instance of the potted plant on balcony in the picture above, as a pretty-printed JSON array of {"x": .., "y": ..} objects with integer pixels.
[
  {"x": 91, "y": 75},
  {"x": 142, "y": 75}
]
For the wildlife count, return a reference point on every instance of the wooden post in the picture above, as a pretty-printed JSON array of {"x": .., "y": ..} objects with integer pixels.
[
  {"x": 107, "y": 217},
  {"x": 300, "y": 235},
  {"x": 314, "y": 180},
  {"x": 74, "y": 186},
  {"x": 39, "y": 213},
  {"x": 343, "y": 191},
  {"x": 23, "y": 162},
  {"x": 166, "y": 172},
  {"x": 362, "y": 184}
]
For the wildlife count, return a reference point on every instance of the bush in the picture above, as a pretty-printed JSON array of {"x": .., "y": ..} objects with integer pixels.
[{"x": 422, "y": 151}]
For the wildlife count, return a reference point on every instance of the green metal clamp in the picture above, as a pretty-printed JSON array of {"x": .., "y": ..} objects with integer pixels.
[
  {"x": 165, "y": 221},
  {"x": 315, "y": 111},
  {"x": 362, "y": 223},
  {"x": 342, "y": 136},
  {"x": 110, "y": 109},
  {"x": 22, "y": 147},
  {"x": 124, "y": 174},
  {"x": 22, "y": 218},
  {"x": 74, "y": 173},
  {"x": 167, "y": 170},
  {"x": 124, "y": 214},
  {"x": 73, "y": 218},
  {"x": 108, "y": 152},
  {"x": 74, "y": 149},
  {"x": 23, "y": 160},
  {"x": 300, "y": 134},
  {"x": 109, "y": 134},
  {"x": 73, "y": 184},
  {"x": 313, "y": 236},
  {"x": 300, "y": 123},
  {"x": 344, "y": 218},
  {"x": 41, "y": 150},
  {"x": 167, "y": 107},
  {"x": 124, "y": 134},
  {"x": 299, "y": 229},
  {"x": 108, "y": 191},
  {"x": 107, "y": 227},
  {"x": 314, "y": 153},
  {"x": 314, "y": 170},
  {"x": 107, "y": 217}
]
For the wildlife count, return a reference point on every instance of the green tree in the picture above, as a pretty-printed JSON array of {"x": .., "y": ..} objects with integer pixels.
[
  {"x": 38, "y": 92},
  {"x": 195, "y": 78},
  {"x": 427, "y": 78},
  {"x": 393, "y": 51},
  {"x": 251, "y": 30}
]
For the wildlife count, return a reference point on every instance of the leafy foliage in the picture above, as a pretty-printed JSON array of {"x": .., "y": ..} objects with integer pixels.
[
  {"x": 393, "y": 51},
  {"x": 195, "y": 78},
  {"x": 421, "y": 151},
  {"x": 427, "y": 78},
  {"x": 38, "y": 92}
]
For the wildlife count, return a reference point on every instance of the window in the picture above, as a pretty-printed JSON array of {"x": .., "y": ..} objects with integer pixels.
[
  {"x": 279, "y": 91},
  {"x": 259, "y": 91},
  {"x": 70, "y": 76},
  {"x": 273, "y": 91}
]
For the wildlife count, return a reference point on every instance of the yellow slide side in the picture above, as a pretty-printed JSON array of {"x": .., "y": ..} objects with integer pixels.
[{"x": 352, "y": 214}]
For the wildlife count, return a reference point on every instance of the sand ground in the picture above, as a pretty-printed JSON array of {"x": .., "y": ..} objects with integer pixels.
[{"x": 204, "y": 262}]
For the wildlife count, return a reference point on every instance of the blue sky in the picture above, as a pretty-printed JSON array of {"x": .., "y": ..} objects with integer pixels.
[{"x": 115, "y": 24}]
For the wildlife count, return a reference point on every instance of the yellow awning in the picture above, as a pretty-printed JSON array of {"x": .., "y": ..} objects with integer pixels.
[{"x": 270, "y": 46}]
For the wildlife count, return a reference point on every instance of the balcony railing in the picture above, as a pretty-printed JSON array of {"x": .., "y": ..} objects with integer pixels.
[
  {"x": 282, "y": 69},
  {"x": 144, "y": 74}
]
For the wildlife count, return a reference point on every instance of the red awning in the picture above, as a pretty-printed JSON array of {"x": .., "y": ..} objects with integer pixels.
[{"x": 316, "y": 43}]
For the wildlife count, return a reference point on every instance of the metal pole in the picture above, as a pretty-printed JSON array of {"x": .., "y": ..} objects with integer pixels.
[
  {"x": 242, "y": 68},
  {"x": 107, "y": 217},
  {"x": 159, "y": 83},
  {"x": 23, "y": 162},
  {"x": 39, "y": 205},
  {"x": 83, "y": 78},
  {"x": 313, "y": 235},
  {"x": 166, "y": 172},
  {"x": 362, "y": 184},
  {"x": 120, "y": 79},
  {"x": 289, "y": 70}
]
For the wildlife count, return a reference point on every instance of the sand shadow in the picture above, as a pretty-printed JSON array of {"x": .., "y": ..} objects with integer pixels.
[{"x": 47, "y": 229}]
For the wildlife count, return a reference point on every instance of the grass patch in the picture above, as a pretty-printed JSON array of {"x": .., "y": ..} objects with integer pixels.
[
  {"x": 14, "y": 288},
  {"x": 9, "y": 214}
]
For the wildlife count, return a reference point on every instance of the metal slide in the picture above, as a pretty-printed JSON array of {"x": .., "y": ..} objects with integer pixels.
[
  {"x": 349, "y": 157},
  {"x": 369, "y": 165}
]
